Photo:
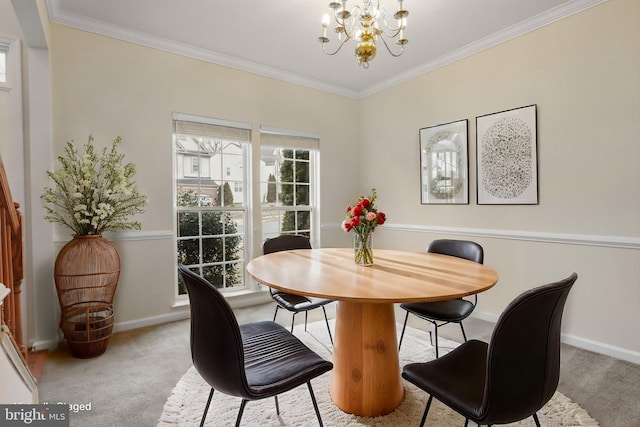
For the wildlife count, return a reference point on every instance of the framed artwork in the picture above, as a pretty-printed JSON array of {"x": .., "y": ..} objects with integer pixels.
[
  {"x": 507, "y": 162},
  {"x": 444, "y": 164}
]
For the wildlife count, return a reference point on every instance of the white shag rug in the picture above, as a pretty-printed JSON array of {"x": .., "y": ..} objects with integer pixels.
[{"x": 186, "y": 403}]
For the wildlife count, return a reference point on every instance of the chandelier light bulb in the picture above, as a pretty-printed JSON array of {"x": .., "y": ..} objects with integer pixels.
[
  {"x": 326, "y": 20},
  {"x": 325, "y": 23}
]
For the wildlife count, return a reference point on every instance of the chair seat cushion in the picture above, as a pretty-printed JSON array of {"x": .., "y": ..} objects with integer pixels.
[
  {"x": 453, "y": 310},
  {"x": 456, "y": 379},
  {"x": 298, "y": 303},
  {"x": 276, "y": 361}
]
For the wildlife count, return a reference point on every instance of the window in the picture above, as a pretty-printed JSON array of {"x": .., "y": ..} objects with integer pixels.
[
  {"x": 288, "y": 191},
  {"x": 211, "y": 218},
  {"x": 195, "y": 165},
  {"x": 3, "y": 64}
]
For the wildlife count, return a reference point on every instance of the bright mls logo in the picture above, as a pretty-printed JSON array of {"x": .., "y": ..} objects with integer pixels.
[{"x": 34, "y": 415}]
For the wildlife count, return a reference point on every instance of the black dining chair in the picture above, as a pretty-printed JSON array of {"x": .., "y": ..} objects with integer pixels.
[
  {"x": 440, "y": 313},
  {"x": 294, "y": 303},
  {"x": 252, "y": 361},
  {"x": 512, "y": 376}
]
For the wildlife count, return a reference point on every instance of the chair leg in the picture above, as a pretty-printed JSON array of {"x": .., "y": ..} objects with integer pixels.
[
  {"x": 466, "y": 422},
  {"x": 326, "y": 319},
  {"x": 463, "y": 334},
  {"x": 426, "y": 411},
  {"x": 277, "y": 406},
  {"x": 276, "y": 313},
  {"x": 242, "y": 405},
  {"x": 535, "y": 418},
  {"x": 315, "y": 404},
  {"x": 306, "y": 316},
  {"x": 406, "y": 317},
  {"x": 293, "y": 321},
  {"x": 435, "y": 333},
  {"x": 206, "y": 408}
]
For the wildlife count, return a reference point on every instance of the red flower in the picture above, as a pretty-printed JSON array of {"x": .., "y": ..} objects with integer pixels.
[{"x": 363, "y": 217}]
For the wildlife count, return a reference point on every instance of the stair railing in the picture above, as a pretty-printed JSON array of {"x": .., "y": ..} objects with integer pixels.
[{"x": 11, "y": 263}]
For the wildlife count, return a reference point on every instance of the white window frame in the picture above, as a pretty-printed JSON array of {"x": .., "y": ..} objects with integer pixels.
[
  {"x": 246, "y": 207},
  {"x": 314, "y": 179},
  {"x": 4, "y": 51}
]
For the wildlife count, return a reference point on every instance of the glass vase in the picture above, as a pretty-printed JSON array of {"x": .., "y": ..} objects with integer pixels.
[{"x": 363, "y": 254}]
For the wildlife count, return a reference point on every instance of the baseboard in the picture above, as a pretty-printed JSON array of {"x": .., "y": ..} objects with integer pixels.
[
  {"x": 598, "y": 347},
  {"x": 182, "y": 311},
  {"x": 51, "y": 344},
  {"x": 579, "y": 342},
  {"x": 151, "y": 321}
]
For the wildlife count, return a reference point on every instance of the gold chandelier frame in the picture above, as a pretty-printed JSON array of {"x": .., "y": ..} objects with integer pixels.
[{"x": 366, "y": 25}]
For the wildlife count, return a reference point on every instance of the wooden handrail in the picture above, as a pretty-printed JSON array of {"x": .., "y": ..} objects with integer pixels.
[{"x": 11, "y": 262}]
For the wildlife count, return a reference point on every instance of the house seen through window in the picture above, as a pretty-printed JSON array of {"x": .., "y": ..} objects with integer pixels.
[
  {"x": 213, "y": 195},
  {"x": 211, "y": 206}
]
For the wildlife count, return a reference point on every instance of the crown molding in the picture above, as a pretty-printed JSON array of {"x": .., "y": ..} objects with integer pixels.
[
  {"x": 571, "y": 7},
  {"x": 550, "y": 16},
  {"x": 56, "y": 14}
]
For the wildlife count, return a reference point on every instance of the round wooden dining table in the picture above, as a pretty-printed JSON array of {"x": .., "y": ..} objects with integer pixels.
[{"x": 366, "y": 377}]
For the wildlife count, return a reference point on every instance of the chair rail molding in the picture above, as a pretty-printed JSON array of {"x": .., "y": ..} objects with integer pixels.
[
  {"x": 534, "y": 236},
  {"x": 60, "y": 240}
]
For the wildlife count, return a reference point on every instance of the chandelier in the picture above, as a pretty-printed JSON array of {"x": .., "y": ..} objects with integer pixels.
[{"x": 366, "y": 25}]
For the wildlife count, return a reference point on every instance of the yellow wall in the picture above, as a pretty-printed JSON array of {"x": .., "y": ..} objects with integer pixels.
[
  {"x": 108, "y": 87},
  {"x": 582, "y": 72}
]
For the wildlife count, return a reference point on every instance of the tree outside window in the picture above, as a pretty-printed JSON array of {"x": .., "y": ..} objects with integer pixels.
[
  {"x": 209, "y": 243},
  {"x": 287, "y": 207},
  {"x": 211, "y": 211}
]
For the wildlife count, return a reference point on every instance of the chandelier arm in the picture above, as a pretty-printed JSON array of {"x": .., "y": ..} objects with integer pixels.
[
  {"x": 390, "y": 31},
  {"x": 347, "y": 33},
  {"x": 342, "y": 43},
  {"x": 395, "y": 55},
  {"x": 348, "y": 29},
  {"x": 394, "y": 32}
]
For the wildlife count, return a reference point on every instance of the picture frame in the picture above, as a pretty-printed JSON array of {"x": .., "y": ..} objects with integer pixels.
[
  {"x": 444, "y": 163},
  {"x": 507, "y": 157}
]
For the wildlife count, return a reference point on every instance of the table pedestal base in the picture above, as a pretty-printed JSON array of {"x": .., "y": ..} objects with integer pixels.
[{"x": 365, "y": 379}]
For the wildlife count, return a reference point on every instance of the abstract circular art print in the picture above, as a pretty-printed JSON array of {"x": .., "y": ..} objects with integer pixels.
[
  {"x": 507, "y": 157},
  {"x": 506, "y": 163}
]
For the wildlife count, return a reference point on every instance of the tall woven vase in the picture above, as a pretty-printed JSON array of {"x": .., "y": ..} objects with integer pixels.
[{"x": 86, "y": 275}]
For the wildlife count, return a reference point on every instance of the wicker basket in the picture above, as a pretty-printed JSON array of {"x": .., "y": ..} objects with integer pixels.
[
  {"x": 86, "y": 274},
  {"x": 87, "y": 328}
]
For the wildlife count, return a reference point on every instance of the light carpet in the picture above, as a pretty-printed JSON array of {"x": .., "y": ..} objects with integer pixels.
[{"x": 186, "y": 403}]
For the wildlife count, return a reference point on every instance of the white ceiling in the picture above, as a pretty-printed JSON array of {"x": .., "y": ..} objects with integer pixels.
[{"x": 279, "y": 38}]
